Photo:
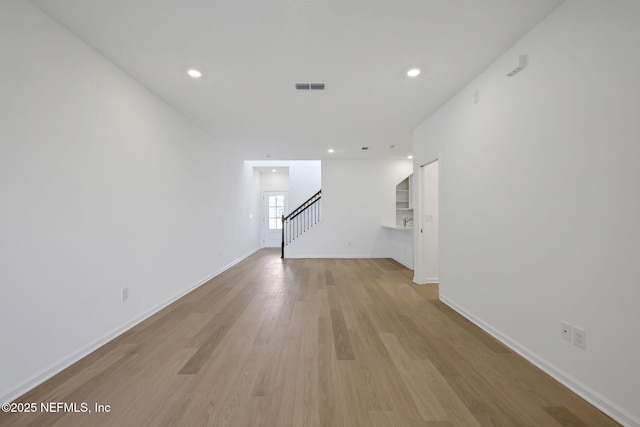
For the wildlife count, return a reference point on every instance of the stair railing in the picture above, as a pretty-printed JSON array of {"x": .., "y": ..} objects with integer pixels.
[{"x": 300, "y": 220}]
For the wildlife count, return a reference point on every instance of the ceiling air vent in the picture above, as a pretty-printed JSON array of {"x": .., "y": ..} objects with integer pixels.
[
  {"x": 310, "y": 86},
  {"x": 364, "y": 148}
]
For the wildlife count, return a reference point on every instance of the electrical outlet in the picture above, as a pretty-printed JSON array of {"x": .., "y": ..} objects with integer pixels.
[
  {"x": 124, "y": 294},
  {"x": 565, "y": 329},
  {"x": 580, "y": 338}
]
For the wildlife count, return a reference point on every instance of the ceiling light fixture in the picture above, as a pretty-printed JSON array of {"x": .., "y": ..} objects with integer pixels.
[
  {"x": 196, "y": 74},
  {"x": 330, "y": 150},
  {"x": 273, "y": 170},
  {"x": 409, "y": 157},
  {"x": 414, "y": 72}
]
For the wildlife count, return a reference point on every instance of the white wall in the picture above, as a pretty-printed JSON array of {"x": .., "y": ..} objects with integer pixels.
[
  {"x": 400, "y": 245},
  {"x": 540, "y": 202},
  {"x": 102, "y": 186},
  {"x": 278, "y": 181},
  {"x": 305, "y": 178},
  {"x": 358, "y": 197}
]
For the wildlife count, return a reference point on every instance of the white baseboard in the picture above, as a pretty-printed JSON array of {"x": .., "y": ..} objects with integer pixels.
[
  {"x": 596, "y": 399},
  {"x": 345, "y": 256},
  {"x": 426, "y": 281},
  {"x": 410, "y": 267},
  {"x": 306, "y": 256},
  {"x": 59, "y": 366}
]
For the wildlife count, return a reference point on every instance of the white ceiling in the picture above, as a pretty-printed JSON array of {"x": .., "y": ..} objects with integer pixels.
[{"x": 253, "y": 51}]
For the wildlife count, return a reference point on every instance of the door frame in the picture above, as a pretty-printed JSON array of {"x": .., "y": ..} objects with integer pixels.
[{"x": 264, "y": 230}]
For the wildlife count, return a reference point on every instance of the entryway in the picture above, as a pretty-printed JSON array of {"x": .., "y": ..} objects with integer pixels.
[{"x": 274, "y": 205}]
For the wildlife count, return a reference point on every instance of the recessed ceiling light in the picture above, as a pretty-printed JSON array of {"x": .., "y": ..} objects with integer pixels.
[
  {"x": 409, "y": 157},
  {"x": 273, "y": 170},
  {"x": 330, "y": 150},
  {"x": 414, "y": 72},
  {"x": 194, "y": 73}
]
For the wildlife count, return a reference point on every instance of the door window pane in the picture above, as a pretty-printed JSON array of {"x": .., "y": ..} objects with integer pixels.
[{"x": 276, "y": 210}]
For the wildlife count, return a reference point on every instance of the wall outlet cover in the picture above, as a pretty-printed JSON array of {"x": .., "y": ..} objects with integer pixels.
[{"x": 565, "y": 331}]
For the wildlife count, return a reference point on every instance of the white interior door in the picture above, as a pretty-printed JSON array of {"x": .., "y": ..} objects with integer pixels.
[
  {"x": 430, "y": 224},
  {"x": 274, "y": 205}
]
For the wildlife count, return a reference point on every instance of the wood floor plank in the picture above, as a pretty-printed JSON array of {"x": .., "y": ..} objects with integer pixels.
[
  {"x": 544, "y": 389},
  {"x": 284, "y": 387},
  {"x": 307, "y": 377},
  {"x": 457, "y": 412},
  {"x": 308, "y": 342},
  {"x": 330, "y": 406},
  {"x": 564, "y": 417},
  {"x": 418, "y": 384},
  {"x": 219, "y": 327},
  {"x": 341, "y": 336}
]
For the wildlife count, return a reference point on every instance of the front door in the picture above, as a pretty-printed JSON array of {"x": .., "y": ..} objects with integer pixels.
[{"x": 274, "y": 205}]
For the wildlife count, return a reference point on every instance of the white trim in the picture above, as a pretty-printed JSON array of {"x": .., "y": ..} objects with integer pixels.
[
  {"x": 596, "y": 399},
  {"x": 418, "y": 237},
  {"x": 305, "y": 256},
  {"x": 298, "y": 256},
  {"x": 396, "y": 228},
  {"x": 59, "y": 366},
  {"x": 426, "y": 281},
  {"x": 400, "y": 262}
]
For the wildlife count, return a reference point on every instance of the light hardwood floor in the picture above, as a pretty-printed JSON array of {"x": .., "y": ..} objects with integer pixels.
[{"x": 314, "y": 342}]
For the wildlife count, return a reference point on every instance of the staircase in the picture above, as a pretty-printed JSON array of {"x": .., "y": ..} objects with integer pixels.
[{"x": 300, "y": 220}]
